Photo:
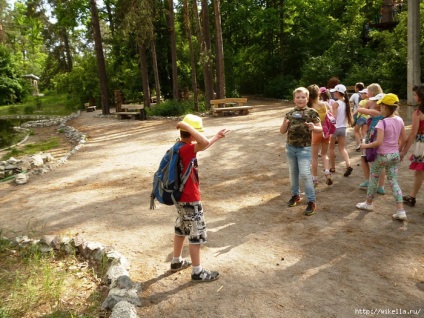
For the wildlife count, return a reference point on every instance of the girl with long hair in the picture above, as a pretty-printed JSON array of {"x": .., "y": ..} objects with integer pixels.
[
  {"x": 416, "y": 134},
  {"x": 318, "y": 140},
  {"x": 342, "y": 112}
]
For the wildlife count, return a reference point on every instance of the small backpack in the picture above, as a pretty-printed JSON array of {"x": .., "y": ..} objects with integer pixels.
[
  {"x": 168, "y": 180},
  {"x": 329, "y": 125}
]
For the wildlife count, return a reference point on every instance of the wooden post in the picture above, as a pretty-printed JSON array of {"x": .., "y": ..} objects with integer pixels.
[
  {"x": 119, "y": 100},
  {"x": 413, "y": 67}
]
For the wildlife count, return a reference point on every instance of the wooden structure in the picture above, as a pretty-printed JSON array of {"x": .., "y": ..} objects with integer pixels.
[
  {"x": 89, "y": 108},
  {"x": 131, "y": 111},
  {"x": 219, "y": 106}
]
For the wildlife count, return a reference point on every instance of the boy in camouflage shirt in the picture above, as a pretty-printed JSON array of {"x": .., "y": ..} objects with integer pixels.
[{"x": 299, "y": 124}]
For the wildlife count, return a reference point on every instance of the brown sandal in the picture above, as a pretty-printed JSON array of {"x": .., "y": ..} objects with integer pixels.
[
  {"x": 409, "y": 200},
  {"x": 332, "y": 169}
]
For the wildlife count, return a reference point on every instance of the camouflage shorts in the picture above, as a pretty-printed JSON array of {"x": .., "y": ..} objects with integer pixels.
[{"x": 190, "y": 222}]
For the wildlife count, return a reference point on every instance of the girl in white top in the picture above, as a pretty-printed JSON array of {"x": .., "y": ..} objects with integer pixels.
[
  {"x": 342, "y": 113},
  {"x": 391, "y": 137}
]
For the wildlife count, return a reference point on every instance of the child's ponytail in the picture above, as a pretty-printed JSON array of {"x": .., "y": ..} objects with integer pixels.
[{"x": 348, "y": 110}]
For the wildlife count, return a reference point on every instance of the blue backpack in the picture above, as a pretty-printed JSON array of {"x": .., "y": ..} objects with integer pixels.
[{"x": 168, "y": 181}]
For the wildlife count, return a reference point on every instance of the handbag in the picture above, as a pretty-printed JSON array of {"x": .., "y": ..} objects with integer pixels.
[{"x": 371, "y": 153}]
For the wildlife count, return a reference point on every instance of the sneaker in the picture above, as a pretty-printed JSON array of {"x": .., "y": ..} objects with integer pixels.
[
  {"x": 380, "y": 190},
  {"x": 358, "y": 148},
  {"x": 328, "y": 179},
  {"x": 364, "y": 185},
  {"x": 294, "y": 200},
  {"x": 365, "y": 206},
  {"x": 348, "y": 171},
  {"x": 409, "y": 200},
  {"x": 204, "y": 276},
  {"x": 175, "y": 267},
  {"x": 400, "y": 215},
  {"x": 310, "y": 209}
]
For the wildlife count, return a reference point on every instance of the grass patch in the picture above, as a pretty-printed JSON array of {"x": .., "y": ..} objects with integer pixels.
[
  {"x": 51, "y": 104},
  {"x": 31, "y": 149},
  {"x": 36, "y": 284}
]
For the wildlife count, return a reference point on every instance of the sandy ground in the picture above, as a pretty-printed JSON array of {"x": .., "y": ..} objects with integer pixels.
[{"x": 273, "y": 260}]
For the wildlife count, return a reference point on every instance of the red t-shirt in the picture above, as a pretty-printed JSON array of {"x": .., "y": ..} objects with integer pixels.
[{"x": 191, "y": 192}]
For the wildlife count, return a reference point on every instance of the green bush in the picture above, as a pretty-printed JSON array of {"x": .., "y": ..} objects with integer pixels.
[
  {"x": 280, "y": 87},
  {"x": 29, "y": 109},
  {"x": 13, "y": 110},
  {"x": 38, "y": 103},
  {"x": 174, "y": 108}
]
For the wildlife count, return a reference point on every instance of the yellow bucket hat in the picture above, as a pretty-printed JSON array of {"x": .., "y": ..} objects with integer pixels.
[
  {"x": 389, "y": 100},
  {"x": 194, "y": 121}
]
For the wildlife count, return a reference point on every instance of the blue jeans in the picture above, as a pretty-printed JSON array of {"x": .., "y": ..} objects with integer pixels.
[{"x": 299, "y": 159}]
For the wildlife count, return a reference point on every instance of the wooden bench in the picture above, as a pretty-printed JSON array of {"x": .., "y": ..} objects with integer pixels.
[
  {"x": 133, "y": 111},
  {"x": 219, "y": 106},
  {"x": 89, "y": 108}
]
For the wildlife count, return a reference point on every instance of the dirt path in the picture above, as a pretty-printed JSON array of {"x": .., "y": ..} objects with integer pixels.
[{"x": 274, "y": 261}]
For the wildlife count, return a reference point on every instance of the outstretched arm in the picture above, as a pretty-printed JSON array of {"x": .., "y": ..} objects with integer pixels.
[{"x": 219, "y": 135}]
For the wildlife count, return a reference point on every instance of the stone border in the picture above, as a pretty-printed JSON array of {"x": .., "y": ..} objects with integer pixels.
[
  {"x": 47, "y": 121},
  {"x": 123, "y": 292}
]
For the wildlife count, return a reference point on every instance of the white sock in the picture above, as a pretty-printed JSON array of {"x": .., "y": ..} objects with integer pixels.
[
  {"x": 197, "y": 269},
  {"x": 178, "y": 259}
]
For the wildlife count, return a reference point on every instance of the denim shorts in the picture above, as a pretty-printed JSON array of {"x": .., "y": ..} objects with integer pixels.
[
  {"x": 190, "y": 222},
  {"x": 361, "y": 121}
]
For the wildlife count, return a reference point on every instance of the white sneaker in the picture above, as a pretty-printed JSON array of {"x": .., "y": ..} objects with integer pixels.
[
  {"x": 400, "y": 215},
  {"x": 365, "y": 206}
]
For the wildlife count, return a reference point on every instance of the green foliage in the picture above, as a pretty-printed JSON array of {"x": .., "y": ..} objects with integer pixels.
[
  {"x": 44, "y": 281},
  {"x": 12, "y": 88},
  {"x": 13, "y": 110},
  {"x": 8, "y": 136},
  {"x": 173, "y": 108},
  {"x": 280, "y": 87},
  {"x": 52, "y": 104},
  {"x": 31, "y": 149},
  {"x": 268, "y": 47},
  {"x": 29, "y": 109},
  {"x": 38, "y": 103},
  {"x": 81, "y": 83}
]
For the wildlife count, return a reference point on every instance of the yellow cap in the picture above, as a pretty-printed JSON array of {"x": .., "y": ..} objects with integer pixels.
[
  {"x": 389, "y": 100},
  {"x": 194, "y": 121}
]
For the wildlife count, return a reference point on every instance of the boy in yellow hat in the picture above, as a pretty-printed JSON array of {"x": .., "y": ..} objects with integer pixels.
[{"x": 190, "y": 221}]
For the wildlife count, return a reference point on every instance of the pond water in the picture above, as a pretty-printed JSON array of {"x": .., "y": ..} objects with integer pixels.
[{"x": 8, "y": 136}]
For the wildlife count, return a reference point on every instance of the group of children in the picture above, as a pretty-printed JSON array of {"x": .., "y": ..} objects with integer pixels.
[
  {"x": 374, "y": 111},
  {"x": 377, "y": 126}
]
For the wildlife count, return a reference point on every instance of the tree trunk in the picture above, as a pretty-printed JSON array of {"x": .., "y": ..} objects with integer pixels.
[
  {"x": 110, "y": 18},
  {"x": 413, "y": 66},
  {"x": 220, "y": 67},
  {"x": 69, "y": 63},
  {"x": 205, "y": 46},
  {"x": 155, "y": 70},
  {"x": 192, "y": 60},
  {"x": 173, "y": 43},
  {"x": 104, "y": 96},
  {"x": 387, "y": 11},
  {"x": 282, "y": 51},
  {"x": 144, "y": 75}
]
